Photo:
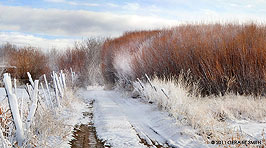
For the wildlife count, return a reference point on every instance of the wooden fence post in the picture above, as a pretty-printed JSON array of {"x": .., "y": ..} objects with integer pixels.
[
  {"x": 45, "y": 96},
  {"x": 49, "y": 93},
  {"x": 30, "y": 79},
  {"x": 12, "y": 100},
  {"x": 33, "y": 105},
  {"x": 72, "y": 76},
  {"x": 56, "y": 89},
  {"x": 59, "y": 86},
  {"x": 150, "y": 82}
]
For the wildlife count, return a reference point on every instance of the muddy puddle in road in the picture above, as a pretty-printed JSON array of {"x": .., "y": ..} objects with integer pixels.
[{"x": 84, "y": 135}]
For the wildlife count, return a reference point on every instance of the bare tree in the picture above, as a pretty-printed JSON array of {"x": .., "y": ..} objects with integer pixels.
[{"x": 84, "y": 58}]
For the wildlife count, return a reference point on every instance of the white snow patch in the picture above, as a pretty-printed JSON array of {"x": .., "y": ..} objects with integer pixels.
[
  {"x": 252, "y": 129},
  {"x": 21, "y": 93}
]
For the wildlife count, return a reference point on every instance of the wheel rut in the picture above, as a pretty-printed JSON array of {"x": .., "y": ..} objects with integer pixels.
[{"x": 84, "y": 135}]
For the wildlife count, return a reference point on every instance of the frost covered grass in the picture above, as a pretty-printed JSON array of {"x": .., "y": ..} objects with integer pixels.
[
  {"x": 53, "y": 130},
  {"x": 211, "y": 116},
  {"x": 36, "y": 120}
]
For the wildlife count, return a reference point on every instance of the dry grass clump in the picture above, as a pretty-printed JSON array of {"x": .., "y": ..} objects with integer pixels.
[
  {"x": 41, "y": 136},
  {"x": 211, "y": 116},
  {"x": 221, "y": 57},
  {"x": 57, "y": 119}
]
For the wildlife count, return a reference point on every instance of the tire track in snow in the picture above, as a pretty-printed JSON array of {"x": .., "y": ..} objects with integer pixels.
[
  {"x": 142, "y": 124},
  {"x": 124, "y": 122},
  {"x": 84, "y": 135}
]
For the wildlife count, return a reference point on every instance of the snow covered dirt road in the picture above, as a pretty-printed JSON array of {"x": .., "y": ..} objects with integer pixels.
[{"x": 124, "y": 122}]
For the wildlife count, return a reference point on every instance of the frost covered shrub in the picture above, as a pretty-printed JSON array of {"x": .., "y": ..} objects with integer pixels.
[
  {"x": 221, "y": 57},
  {"x": 117, "y": 55},
  {"x": 84, "y": 59}
]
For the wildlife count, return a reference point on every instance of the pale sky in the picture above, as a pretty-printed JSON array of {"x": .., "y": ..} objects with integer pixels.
[{"x": 58, "y": 23}]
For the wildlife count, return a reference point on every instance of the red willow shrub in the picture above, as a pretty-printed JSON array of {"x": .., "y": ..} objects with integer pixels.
[
  {"x": 73, "y": 58},
  {"x": 28, "y": 59},
  {"x": 220, "y": 58}
]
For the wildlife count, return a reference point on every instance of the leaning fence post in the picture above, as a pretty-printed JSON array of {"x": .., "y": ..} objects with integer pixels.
[
  {"x": 72, "y": 76},
  {"x": 60, "y": 80},
  {"x": 49, "y": 93},
  {"x": 30, "y": 79},
  {"x": 162, "y": 89},
  {"x": 55, "y": 89},
  {"x": 59, "y": 85},
  {"x": 45, "y": 96},
  {"x": 64, "y": 80},
  {"x": 21, "y": 107},
  {"x": 29, "y": 90},
  {"x": 140, "y": 83},
  {"x": 34, "y": 104},
  {"x": 12, "y": 100},
  {"x": 150, "y": 82}
]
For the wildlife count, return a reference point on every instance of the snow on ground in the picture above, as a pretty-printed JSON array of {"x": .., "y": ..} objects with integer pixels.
[
  {"x": 73, "y": 115},
  {"x": 123, "y": 122},
  {"x": 21, "y": 93},
  {"x": 252, "y": 129}
]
